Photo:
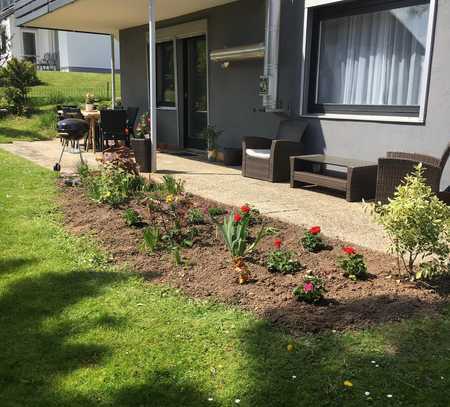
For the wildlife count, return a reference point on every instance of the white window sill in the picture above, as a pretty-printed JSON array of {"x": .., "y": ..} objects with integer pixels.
[
  {"x": 166, "y": 108},
  {"x": 365, "y": 118}
]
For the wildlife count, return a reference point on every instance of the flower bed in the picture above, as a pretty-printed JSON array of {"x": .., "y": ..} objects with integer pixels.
[{"x": 206, "y": 270}]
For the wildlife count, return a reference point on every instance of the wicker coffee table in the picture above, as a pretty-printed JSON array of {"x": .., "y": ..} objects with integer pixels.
[{"x": 358, "y": 181}]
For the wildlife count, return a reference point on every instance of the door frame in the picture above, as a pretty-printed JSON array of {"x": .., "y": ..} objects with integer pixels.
[{"x": 174, "y": 33}]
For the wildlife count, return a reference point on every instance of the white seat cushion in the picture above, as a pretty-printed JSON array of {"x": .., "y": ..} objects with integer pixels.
[{"x": 258, "y": 153}]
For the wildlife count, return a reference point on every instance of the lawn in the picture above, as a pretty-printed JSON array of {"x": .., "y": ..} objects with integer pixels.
[
  {"x": 75, "y": 331},
  {"x": 56, "y": 88}
]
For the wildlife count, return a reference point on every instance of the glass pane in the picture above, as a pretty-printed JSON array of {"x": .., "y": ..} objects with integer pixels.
[
  {"x": 373, "y": 58},
  {"x": 165, "y": 73}
]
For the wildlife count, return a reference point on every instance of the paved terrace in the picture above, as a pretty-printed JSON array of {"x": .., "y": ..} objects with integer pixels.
[{"x": 337, "y": 217}]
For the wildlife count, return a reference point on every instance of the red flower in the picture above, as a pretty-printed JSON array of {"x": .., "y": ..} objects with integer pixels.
[
  {"x": 308, "y": 287},
  {"x": 349, "y": 250},
  {"x": 277, "y": 243},
  {"x": 245, "y": 209},
  {"x": 237, "y": 218},
  {"x": 315, "y": 230}
]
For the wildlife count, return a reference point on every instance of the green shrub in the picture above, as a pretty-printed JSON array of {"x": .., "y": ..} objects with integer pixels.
[
  {"x": 353, "y": 264},
  {"x": 312, "y": 241},
  {"x": 195, "y": 217},
  {"x": 113, "y": 185},
  {"x": 17, "y": 76},
  {"x": 312, "y": 290},
  {"x": 418, "y": 225},
  {"x": 172, "y": 186},
  {"x": 132, "y": 217},
  {"x": 283, "y": 261}
]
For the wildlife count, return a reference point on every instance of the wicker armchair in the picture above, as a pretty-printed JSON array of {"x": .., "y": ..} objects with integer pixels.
[
  {"x": 394, "y": 168},
  {"x": 268, "y": 159}
]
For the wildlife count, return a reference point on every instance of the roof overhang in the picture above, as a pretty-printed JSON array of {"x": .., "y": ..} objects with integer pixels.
[{"x": 102, "y": 16}]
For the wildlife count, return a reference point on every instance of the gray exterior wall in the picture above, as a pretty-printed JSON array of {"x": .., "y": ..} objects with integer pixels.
[{"x": 234, "y": 95}]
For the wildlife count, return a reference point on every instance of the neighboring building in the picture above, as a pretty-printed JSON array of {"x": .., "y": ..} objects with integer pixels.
[
  {"x": 55, "y": 50},
  {"x": 370, "y": 76}
]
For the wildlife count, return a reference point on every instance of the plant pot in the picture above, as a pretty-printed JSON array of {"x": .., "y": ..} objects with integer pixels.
[
  {"x": 142, "y": 148},
  {"x": 89, "y": 107},
  {"x": 212, "y": 155}
]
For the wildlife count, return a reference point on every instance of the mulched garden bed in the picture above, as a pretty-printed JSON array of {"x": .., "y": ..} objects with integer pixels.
[{"x": 383, "y": 297}]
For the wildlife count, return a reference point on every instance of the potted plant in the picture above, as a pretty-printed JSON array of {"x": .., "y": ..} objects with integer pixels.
[
  {"x": 142, "y": 144},
  {"x": 211, "y": 134},
  {"x": 90, "y": 100}
]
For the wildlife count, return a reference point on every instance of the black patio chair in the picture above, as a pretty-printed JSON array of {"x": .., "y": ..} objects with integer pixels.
[
  {"x": 132, "y": 113},
  {"x": 113, "y": 127}
]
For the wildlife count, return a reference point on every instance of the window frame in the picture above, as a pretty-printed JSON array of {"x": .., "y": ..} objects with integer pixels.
[
  {"x": 318, "y": 10},
  {"x": 159, "y": 102}
]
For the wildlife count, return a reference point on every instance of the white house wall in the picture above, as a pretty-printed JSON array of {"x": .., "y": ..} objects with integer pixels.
[{"x": 86, "y": 52}]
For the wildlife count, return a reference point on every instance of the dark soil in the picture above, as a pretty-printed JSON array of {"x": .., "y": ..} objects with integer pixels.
[{"x": 209, "y": 273}]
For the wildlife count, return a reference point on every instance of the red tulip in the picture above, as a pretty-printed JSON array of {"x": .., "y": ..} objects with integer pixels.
[
  {"x": 315, "y": 230},
  {"x": 277, "y": 243},
  {"x": 349, "y": 250},
  {"x": 245, "y": 209},
  {"x": 237, "y": 218}
]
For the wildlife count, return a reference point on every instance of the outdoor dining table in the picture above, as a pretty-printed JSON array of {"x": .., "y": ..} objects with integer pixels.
[{"x": 93, "y": 117}]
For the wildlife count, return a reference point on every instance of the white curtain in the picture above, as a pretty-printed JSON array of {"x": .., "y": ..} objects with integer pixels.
[{"x": 373, "y": 59}]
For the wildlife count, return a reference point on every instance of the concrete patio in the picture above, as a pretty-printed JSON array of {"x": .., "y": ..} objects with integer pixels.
[{"x": 305, "y": 207}]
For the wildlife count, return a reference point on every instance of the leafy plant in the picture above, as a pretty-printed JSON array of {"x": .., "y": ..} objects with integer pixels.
[
  {"x": 90, "y": 99},
  {"x": 418, "y": 225},
  {"x": 195, "y": 217},
  {"x": 152, "y": 239},
  {"x": 282, "y": 261},
  {"x": 48, "y": 120},
  {"x": 312, "y": 290},
  {"x": 211, "y": 134},
  {"x": 353, "y": 264},
  {"x": 143, "y": 126},
  {"x": 172, "y": 186},
  {"x": 216, "y": 211},
  {"x": 312, "y": 241},
  {"x": 132, "y": 217}
]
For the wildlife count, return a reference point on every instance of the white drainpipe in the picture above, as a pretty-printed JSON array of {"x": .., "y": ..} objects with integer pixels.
[
  {"x": 152, "y": 78},
  {"x": 113, "y": 72},
  {"x": 273, "y": 14}
]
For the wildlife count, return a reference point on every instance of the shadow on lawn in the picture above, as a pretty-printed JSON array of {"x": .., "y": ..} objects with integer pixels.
[
  {"x": 37, "y": 352},
  {"x": 408, "y": 360},
  {"x": 10, "y": 266},
  {"x": 22, "y": 134}
]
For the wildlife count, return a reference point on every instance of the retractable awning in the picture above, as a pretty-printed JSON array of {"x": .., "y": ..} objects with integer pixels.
[{"x": 102, "y": 16}]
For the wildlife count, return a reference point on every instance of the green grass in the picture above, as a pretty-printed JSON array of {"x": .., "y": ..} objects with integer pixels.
[
  {"x": 57, "y": 87},
  {"x": 76, "y": 332}
]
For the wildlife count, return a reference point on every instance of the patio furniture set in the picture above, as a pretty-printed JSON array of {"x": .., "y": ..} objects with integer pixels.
[
  {"x": 97, "y": 127},
  {"x": 282, "y": 160}
]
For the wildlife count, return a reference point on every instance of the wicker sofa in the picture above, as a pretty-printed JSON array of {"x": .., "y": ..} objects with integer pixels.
[
  {"x": 268, "y": 159},
  {"x": 393, "y": 169}
]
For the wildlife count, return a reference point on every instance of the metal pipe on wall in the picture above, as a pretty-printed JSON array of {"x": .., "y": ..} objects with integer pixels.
[{"x": 273, "y": 18}]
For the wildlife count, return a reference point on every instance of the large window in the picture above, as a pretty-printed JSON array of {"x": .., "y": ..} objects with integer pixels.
[
  {"x": 368, "y": 57},
  {"x": 165, "y": 74}
]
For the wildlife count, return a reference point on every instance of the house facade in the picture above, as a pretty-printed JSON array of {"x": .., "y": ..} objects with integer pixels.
[
  {"x": 369, "y": 76},
  {"x": 52, "y": 49}
]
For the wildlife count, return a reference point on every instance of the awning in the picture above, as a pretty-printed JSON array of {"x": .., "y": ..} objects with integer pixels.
[{"x": 103, "y": 16}]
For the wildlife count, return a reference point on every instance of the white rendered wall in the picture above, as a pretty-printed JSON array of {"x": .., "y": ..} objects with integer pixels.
[{"x": 79, "y": 51}]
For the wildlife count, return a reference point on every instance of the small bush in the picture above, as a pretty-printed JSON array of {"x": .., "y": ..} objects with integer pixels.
[
  {"x": 172, "y": 186},
  {"x": 195, "y": 217},
  {"x": 132, "y": 217},
  {"x": 312, "y": 291},
  {"x": 312, "y": 241},
  {"x": 353, "y": 264},
  {"x": 418, "y": 225},
  {"x": 282, "y": 261},
  {"x": 215, "y": 211}
]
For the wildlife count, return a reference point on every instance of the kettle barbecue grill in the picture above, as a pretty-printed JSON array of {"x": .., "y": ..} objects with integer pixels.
[{"x": 71, "y": 131}]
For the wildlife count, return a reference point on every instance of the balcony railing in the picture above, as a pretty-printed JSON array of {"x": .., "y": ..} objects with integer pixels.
[{"x": 29, "y": 10}]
